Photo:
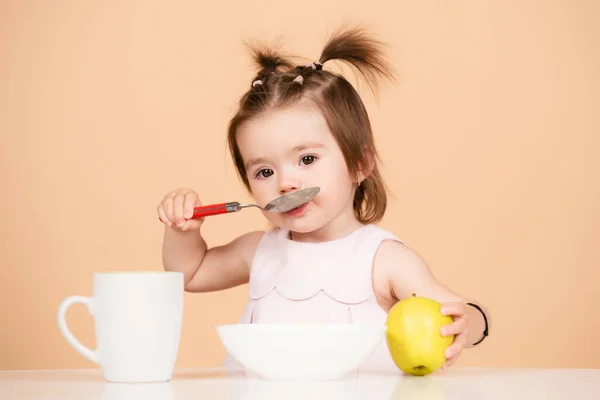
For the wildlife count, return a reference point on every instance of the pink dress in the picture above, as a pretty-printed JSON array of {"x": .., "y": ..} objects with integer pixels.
[{"x": 328, "y": 282}]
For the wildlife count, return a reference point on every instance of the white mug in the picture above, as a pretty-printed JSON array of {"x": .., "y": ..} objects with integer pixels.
[{"x": 137, "y": 320}]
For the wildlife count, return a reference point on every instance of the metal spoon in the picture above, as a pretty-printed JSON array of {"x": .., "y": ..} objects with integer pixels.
[{"x": 283, "y": 203}]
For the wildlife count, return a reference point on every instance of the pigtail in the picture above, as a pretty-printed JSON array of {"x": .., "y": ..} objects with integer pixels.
[
  {"x": 268, "y": 60},
  {"x": 356, "y": 48},
  {"x": 365, "y": 54}
]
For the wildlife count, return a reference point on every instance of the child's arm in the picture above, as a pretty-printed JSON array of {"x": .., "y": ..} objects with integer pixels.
[
  {"x": 207, "y": 270},
  {"x": 399, "y": 272},
  {"x": 204, "y": 269},
  {"x": 185, "y": 250}
]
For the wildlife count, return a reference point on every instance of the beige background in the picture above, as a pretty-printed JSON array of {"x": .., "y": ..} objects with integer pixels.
[{"x": 490, "y": 142}]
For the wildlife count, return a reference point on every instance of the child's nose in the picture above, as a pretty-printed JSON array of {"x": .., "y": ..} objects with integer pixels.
[
  {"x": 288, "y": 188},
  {"x": 288, "y": 185}
]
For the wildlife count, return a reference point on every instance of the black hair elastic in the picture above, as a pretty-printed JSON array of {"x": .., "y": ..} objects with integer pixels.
[
  {"x": 315, "y": 66},
  {"x": 485, "y": 331}
]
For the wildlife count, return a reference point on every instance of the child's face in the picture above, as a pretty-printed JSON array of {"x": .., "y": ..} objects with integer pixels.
[{"x": 290, "y": 149}]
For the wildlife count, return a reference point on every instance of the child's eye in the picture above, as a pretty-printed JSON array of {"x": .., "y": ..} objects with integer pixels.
[
  {"x": 306, "y": 160},
  {"x": 264, "y": 173}
]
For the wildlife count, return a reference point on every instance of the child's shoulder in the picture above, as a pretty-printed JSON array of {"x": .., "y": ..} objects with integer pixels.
[
  {"x": 392, "y": 248},
  {"x": 246, "y": 244},
  {"x": 249, "y": 243},
  {"x": 393, "y": 252},
  {"x": 255, "y": 237},
  {"x": 394, "y": 259},
  {"x": 374, "y": 228}
]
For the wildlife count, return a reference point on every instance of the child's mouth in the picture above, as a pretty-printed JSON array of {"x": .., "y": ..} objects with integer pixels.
[{"x": 295, "y": 212}]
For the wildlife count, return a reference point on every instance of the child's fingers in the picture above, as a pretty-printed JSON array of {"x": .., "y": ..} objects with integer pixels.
[
  {"x": 178, "y": 209},
  {"x": 191, "y": 200},
  {"x": 449, "y": 362},
  {"x": 456, "y": 348},
  {"x": 453, "y": 309},
  {"x": 162, "y": 215},
  {"x": 167, "y": 206},
  {"x": 458, "y": 326}
]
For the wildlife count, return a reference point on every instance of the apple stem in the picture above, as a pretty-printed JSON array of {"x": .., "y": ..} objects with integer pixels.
[{"x": 414, "y": 295}]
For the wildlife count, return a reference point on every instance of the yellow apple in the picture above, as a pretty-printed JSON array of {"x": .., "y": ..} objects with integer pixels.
[{"x": 413, "y": 335}]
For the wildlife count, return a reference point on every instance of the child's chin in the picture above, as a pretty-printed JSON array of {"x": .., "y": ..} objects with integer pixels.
[{"x": 301, "y": 225}]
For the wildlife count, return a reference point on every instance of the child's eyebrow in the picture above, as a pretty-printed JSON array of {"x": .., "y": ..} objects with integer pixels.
[
  {"x": 310, "y": 145},
  {"x": 253, "y": 162}
]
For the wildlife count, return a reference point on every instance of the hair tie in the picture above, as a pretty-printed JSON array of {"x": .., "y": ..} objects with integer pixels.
[
  {"x": 257, "y": 82},
  {"x": 316, "y": 66},
  {"x": 299, "y": 79}
]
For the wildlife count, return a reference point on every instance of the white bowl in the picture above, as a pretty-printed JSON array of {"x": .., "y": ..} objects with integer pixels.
[{"x": 295, "y": 352}]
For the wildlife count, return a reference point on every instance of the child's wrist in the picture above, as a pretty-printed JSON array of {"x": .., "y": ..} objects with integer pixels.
[
  {"x": 481, "y": 315},
  {"x": 179, "y": 232}
]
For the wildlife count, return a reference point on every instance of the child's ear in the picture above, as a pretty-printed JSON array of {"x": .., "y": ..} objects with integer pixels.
[{"x": 366, "y": 166}]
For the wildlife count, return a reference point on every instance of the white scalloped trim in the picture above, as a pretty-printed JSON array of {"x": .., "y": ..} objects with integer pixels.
[{"x": 346, "y": 298}]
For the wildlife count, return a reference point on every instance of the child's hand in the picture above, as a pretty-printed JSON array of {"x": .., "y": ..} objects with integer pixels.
[
  {"x": 176, "y": 209},
  {"x": 458, "y": 328}
]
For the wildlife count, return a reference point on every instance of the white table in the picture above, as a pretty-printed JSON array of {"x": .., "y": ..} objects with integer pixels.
[{"x": 216, "y": 384}]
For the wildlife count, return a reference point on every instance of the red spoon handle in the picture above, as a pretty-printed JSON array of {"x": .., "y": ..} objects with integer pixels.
[{"x": 214, "y": 209}]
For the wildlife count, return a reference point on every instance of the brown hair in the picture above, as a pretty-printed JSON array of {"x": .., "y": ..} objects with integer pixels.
[{"x": 278, "y": 84}]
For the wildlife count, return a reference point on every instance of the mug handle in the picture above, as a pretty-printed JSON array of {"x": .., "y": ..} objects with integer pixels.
[{"x": 62, "y": 324}]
